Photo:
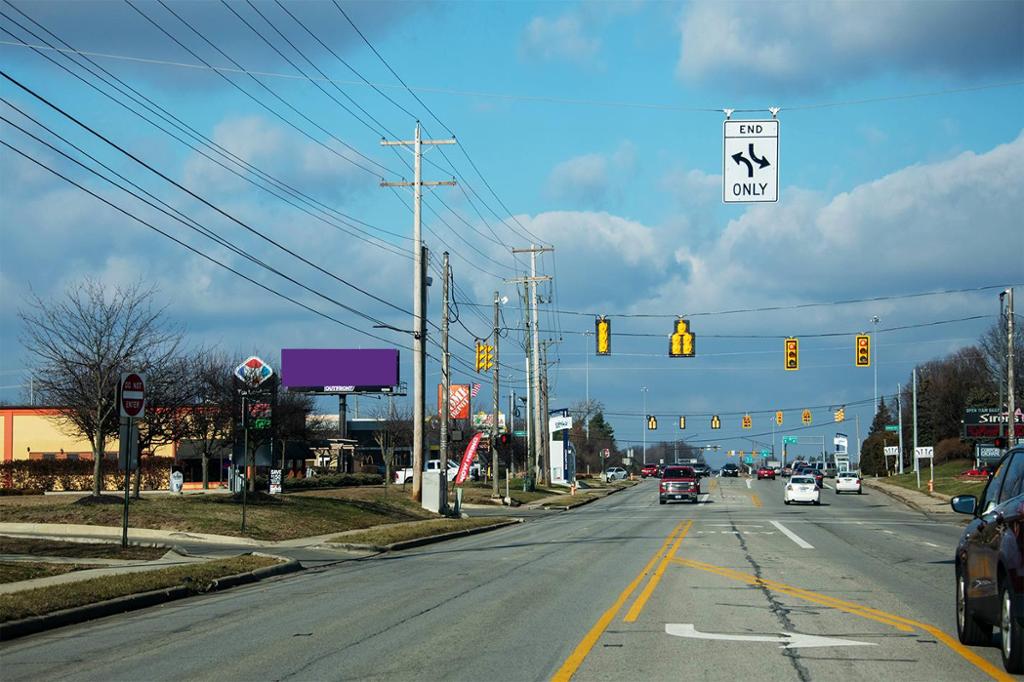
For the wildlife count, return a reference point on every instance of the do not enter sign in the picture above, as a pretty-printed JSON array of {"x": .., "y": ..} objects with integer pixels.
[{"x": 133, "y": 394}]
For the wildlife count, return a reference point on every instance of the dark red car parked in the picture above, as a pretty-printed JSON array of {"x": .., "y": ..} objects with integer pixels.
[{"x": 990, "y": 563}]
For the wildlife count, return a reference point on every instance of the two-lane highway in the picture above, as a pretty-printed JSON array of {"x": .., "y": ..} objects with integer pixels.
[{"x": 729, "y": 588}]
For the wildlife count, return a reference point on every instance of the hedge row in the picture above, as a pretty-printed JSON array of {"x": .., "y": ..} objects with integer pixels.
[
  {"x": 69, "y": 474},
  {"x": 328, "y": 481}
]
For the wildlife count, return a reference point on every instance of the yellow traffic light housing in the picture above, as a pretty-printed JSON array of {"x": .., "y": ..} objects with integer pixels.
[
  {"x": 478, "y": 364},
  {"x": 863, "y": 350},
  {"x": 747, "y": 421},
  {"x": 681, "y": 343},
  {"x": 488, "y": 359},
  {"x": 716, "y": 423},
  {"x": 840, "y": 414},
  {"x": 682, "y": 422},
  {"x": 652, "y": 422},
  {"x": 603, "y": 334},
  {"x": 778, "y": 417},
  {"x": 806, "y": 417},
  {"x": 792, "y": 354}
]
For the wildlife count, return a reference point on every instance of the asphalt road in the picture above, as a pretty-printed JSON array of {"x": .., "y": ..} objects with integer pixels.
[{"x": 622, "y": 589}]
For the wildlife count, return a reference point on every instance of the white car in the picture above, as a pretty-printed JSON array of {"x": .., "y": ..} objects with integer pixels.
[
  {"x": 848, "y": 482},
  {"x": 802, "y": 489},
  {"x": 402, "y": 476},
  {"x": 615, "y": 474}
]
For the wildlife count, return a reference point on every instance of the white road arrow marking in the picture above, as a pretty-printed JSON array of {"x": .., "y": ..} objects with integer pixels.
[{"x": 786, "y": 640}]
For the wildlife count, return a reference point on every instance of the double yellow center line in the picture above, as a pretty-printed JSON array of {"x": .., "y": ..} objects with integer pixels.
[{"x": 664, "y": 554}]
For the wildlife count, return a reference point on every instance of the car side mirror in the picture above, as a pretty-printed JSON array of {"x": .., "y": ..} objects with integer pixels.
[{"x": 964, "y": 504}]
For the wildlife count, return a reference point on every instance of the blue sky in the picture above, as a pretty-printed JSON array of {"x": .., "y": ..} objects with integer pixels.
[{"x": 599, "y": 126}]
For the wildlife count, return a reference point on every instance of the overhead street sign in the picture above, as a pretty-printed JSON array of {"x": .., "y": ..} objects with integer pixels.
[
  {"x": 133, "y": 394},
  {"x": 750, "y": 162},
  {"x": 790, "y": 440}
]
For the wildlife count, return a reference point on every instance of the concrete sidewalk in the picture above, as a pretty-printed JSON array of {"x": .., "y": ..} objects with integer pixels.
[
  {"x": 111, "y": 567},
  {"x": 919, "y": 500},
  {"x": 150, "y": 537}
]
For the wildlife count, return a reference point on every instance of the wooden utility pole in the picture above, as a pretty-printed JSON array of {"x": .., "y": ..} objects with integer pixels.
[
  {"x": 446, "y": 382},
  {"x": 494, "y": 420},
  {"x": 419, "y": 328}
]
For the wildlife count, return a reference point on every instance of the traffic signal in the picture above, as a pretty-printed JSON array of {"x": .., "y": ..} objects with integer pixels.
[
  {"x": 747, "y": 421},
  {"x": 840, "y": 414},
  {"x": 488, "y": 357},
  {"x": 603, "y": 334},
  {"x": 682, "y": 422},
  {"x": 778, "y": 417},
  {"x": 478, "y": 364},
  {"x": 999, "y": 442},
  {"x": 806, "y": 417},
  {"x": 863, "y": 350},
  {"x": 652, "y": 422},
  {"x": 792, "y": 354},
  {"x": 681, "y": 343},
  {"x": 503, "y": 439},
  {"x": 716, "y": 423}
]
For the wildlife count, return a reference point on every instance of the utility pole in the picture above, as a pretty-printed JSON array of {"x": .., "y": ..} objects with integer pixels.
[
  {"x": 643, "y": 394},
  {"x": 545, "y": 412},
  {"x": 874, "y": 360},
  {"x": 532, "y": 280},
  {"x": 494, "y": 423},
  {"x": 419, "y": 329},
  {"x": 899, "y": 408},
  {"x": 1011, "y": 400},
  {"x": 445, "y": 383},
  {"x": 917, "y": 469}
]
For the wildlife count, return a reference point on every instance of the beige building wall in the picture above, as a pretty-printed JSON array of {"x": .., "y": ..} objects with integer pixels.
[{"x": 27, "y": 433}]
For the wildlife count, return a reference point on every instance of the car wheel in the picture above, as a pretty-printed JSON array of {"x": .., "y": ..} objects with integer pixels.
[
  {"x": 1013, "y": 636},
  {"x": 969, "y": 630},
  {"x": 661, "y": 501},
  {"x": 817, "y": 502},
  {"x": 786, "y": 501},
  {"x": 860, "y": 492}
]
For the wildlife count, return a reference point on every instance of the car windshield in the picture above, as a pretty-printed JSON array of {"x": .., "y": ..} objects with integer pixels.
[{"x": 679, "y": 472}]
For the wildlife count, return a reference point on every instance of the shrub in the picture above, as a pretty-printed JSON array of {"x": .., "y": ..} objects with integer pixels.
[
  {"x": 71, "y": 474},
  {"x": 952, "y": 448}
]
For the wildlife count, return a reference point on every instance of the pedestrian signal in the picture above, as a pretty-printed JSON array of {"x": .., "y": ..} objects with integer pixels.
[
  {"x": 681, "y": 343},
  {"x": 747, "y": 421},
  {"x": 716, "y": 423},
  {"x": 863, "y": 350},
  {"x": 652, "y": 422},
  {"x": 603, "y": 334},
  {"x": 840, "y": 414},
  {"x": 792, "y": 354},
  {"x": 806, "y": 417},
  {"x": 682, "y": 422},
  {"x": 778, "y": 417}
]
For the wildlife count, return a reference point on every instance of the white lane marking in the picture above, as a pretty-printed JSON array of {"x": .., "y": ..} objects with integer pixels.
[
  {"x": 729, "y": 525},
  {"x": 749, "y": 481},
  {"x": 934, "y": 545},
  {"x": 831, "y": 488},
  {"x": 891, "y": 532},
  {"x": 792, "y": 536},
  {"x": 786, "y": 640}
]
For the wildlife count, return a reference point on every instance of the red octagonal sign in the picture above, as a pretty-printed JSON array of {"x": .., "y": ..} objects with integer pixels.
[{"x": 133, "y": 394}]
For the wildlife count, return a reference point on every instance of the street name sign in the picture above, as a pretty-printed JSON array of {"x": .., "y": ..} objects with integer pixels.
[
  {"x": 750, "y": 162},
  {"x": 790, "y": 440},
  {"x": 133, "y": 395}
]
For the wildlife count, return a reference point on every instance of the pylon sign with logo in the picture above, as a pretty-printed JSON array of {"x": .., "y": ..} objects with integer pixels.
[{"x": 253, "y": 372}]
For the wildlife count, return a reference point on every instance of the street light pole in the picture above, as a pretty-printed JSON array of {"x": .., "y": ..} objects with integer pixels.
[
  {"x": 874, "y": 360},
  {"x": 643, "y": 393}
]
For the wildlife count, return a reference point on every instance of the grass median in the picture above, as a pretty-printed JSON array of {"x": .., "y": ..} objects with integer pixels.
[
  {"x": 76, "y": 550},
  {"x": 16, "y": 571},
  {"x": 277, "y": 517},
  {"x": 197, "y": 577},
  {"x": 947, "y": 479},
  {"x": 387, "y": 535}
]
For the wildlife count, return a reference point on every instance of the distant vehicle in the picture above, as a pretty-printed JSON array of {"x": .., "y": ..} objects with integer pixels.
[
  {"x": 819, "y": 478},
  {"x": 990, "y": 563},
  {"x": 730, "y": 470},
  {"x": 403, "y": 476},
  {"x": 702, "y": 470},
  {"x": 848, "y": 482},
  {"x": 802, "y": 489},
  {"x": 787, "y": 471},
  {"x": 648, "y": 470},
  {"x": 765, "y": 472},
  {"x": 678, "y": 483},
  {"x": 615, "y": 474}
]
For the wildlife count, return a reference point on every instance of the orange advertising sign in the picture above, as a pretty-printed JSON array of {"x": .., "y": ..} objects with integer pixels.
[{"x": 458, "y": 401}]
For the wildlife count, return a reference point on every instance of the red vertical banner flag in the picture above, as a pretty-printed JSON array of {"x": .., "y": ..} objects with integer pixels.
[{"x": 467, "y": 458}]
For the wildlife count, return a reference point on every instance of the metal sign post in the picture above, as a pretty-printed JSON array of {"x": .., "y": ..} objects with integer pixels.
[{"x": 132, "y": 399}]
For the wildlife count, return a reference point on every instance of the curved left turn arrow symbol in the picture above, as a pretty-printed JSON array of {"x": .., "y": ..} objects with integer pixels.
[{"x": 786, "y": 640}]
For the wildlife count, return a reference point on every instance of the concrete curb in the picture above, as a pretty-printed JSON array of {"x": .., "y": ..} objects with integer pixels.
[
  {"x": 896, "y": 493},
  {"x": 132, "y": 602},
  {"x": 419, "y": 542}
]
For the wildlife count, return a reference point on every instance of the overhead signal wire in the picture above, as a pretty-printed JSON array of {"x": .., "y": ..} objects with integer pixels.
[
  {"x": 262, "y": 104},
  {"x": 196, "y": 196},
  {"x": 192, "y": 248},
  {"x": 171, "y": 119},
  {"x": 740, "y": 413}
]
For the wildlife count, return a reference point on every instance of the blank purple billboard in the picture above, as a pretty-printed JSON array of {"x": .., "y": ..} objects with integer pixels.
[{"x": 340, "y": 370}]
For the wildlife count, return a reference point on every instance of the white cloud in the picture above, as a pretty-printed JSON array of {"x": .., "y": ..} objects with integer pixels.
[
  {"x": 561, "y": 38},
  {"x": 593, "y": 180},
  {"x": 769, "y": 46}
]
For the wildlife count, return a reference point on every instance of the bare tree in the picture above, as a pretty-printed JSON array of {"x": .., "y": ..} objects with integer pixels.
[
  {"x": 394, "y": 430},
  {"x": 170, "y": 391},
  {"x": 212, "y": 413},
  {"x": 993, "y": 348},
  {"x": 82, "y": 342}
]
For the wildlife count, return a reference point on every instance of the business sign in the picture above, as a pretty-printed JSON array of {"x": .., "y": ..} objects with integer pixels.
[
  {"x": 253, "y": 371},
  {"x": 340, "y": 370},
  {"x": 750, "y": 162},
  {"x": 924, "y": 453},
  {"x": 990, "y": 422},
  {"x": 458, "y": 400},
  {"x": 842, "y": 444},
  {"x": 133, "y": 395},
  {"x": 988, "y": 453},
  {"x": 467, "y": 458},
  {"x": 275, "y": 481},
  {"x": 483, "y": 420},
  {"x": 559, "y": 423},
  {"x": 892, "y": 450}
]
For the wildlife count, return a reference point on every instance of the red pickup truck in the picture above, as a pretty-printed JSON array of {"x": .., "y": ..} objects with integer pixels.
[{"x": 678, "y": 483}]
